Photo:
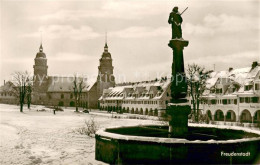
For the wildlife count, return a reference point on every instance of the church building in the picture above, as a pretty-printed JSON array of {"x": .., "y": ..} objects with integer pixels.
[{"x": 58, "y": 91}]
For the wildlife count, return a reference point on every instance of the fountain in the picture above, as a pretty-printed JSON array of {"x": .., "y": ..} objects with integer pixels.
[{"x": 177, "y": 143}]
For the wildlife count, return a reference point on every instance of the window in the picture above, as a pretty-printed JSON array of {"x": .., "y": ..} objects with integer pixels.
[
  {"x": 248, "y": 87},
  {"x": 257, "y": 86},
  {"x": 228, "y": 101},
  {"x": 212, "y": 90},
  {"x": 242, "y": 99},
  {"x": 219, "y": 90},
  {"x": 71, "y": 95},
  {"x": 213, "y": 101},
  {"x": 62, "y": 96},
  {"x": 235, "y": 101},
  {"x": 247, "y": 99},
  {"x": 224, "y": 101},
  {"x": 254, "y": 99},
  {"x": 49, "y": 96}
]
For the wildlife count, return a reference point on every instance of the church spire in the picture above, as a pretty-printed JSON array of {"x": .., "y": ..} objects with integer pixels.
[
  {"x": 106, "y": 47},
  {"x": 41, "y": 48}
]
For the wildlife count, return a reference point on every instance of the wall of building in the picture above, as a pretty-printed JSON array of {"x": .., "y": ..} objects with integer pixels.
[{"x": 8, "y": 98}]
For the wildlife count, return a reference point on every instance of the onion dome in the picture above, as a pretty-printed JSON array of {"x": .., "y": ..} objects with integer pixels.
[
  {"x": 40, "y": 54},
  {"x": 106, "y": 53}
]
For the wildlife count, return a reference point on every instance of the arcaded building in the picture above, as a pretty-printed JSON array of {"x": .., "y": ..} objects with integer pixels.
[
  {"x": 146, "y": 98},
  {"x": 233, "y": 95}
]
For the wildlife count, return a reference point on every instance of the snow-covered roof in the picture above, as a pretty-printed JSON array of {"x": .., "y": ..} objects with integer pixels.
[
  {"x": 240, "y": 75},
  {"x": 238, "y": 78},
  {"x": 62, "y": 84},
  {"x": 7, "y": 87},
  {"x": 141, "y": 89}
]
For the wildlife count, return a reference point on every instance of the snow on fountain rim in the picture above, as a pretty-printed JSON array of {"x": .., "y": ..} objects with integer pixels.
[{"x": 104, "y": 135}]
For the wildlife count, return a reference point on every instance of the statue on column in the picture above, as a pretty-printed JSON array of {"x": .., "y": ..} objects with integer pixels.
[
  {"x": 175, "y": 20},
  {"x": 179, "y": 108},
  {"x": 179, "y": 84}
]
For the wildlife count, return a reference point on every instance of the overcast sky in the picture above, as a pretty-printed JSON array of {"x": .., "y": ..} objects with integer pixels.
[{"x": 221, "y": 32}]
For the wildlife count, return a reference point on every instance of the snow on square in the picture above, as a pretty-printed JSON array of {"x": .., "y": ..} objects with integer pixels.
[{"x": 40, "y": 137}]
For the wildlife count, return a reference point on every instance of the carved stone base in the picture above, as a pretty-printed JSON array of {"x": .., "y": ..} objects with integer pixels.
[{"x": 178, "y": 124}]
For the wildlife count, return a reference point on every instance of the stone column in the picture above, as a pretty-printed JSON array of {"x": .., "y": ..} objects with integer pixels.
[
  {"x": 179, "y": 108},
  {"x": 179, "y": 84},
  {"x": 237, "y": 118}
]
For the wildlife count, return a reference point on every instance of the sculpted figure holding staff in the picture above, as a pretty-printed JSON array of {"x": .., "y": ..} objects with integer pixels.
[{"x": 175, "y": 20}]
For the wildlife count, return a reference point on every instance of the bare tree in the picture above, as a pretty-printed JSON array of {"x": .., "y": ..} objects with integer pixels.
[
  {"x": 21, "y": 81},
  {"x": 78, "y": 86},
  {"x": 197, "y": 80},
  {"x": 29, "y": 94}
]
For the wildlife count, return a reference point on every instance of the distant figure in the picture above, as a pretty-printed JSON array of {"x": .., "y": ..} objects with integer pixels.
[{"x": 175, "y": 19}]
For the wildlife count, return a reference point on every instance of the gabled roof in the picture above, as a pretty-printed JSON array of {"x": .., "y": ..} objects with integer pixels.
[
  {"x": 62, "y": 84},
  {"x": 239, "y": 77},
  {"x": 137, "y": 88},
  {"x": 7, "y": 87}
]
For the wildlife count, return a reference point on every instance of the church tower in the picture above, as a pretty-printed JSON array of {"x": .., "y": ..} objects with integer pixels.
[
  {"x": 40, "y": 83},
  {"x": 105, "y": 77}
]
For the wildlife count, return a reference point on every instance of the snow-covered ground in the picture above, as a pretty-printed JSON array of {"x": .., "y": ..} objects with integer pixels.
[{"x": 35, "y": 137}]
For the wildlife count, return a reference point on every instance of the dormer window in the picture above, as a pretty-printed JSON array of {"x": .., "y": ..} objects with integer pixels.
[
  {"x": 248, "y": 87},
  {"x": 219, "y": 90}
]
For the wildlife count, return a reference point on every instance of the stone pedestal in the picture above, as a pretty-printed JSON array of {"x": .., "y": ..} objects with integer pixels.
[{"x": 178, "y": 118}]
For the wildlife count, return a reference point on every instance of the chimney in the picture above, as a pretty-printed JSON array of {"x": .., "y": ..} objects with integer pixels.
[
  {"x": 230, "y": 69},
  {"x": 4, "y": 82},
  {"x": 254, "y": 64}
]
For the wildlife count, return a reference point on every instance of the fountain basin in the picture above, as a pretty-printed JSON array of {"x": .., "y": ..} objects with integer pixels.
[{"x": 150, "y": 145}]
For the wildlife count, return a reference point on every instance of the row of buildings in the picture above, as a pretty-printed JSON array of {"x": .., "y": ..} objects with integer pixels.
[
  {"x": 147, "y": 97},
  {"x": 234, "y": 95},
  {"x": 231, "y": 95}
]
